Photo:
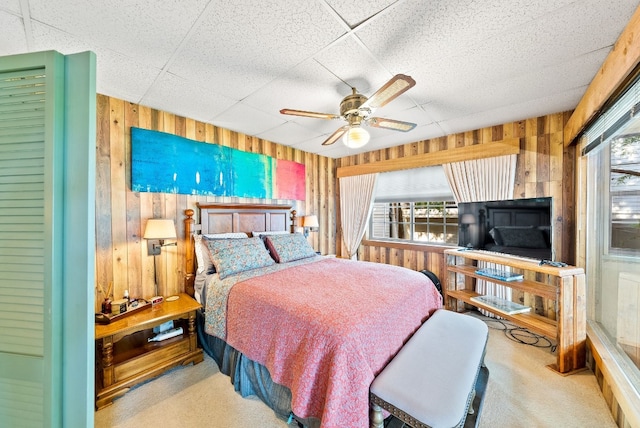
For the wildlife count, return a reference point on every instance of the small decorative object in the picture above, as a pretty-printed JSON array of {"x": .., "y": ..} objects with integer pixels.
[
  {"x": 106, "y": 306},
  {"x": 118, "y": 307}
]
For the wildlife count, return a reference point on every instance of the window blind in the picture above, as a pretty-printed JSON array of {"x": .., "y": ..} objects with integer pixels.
[{"x": 618, "y": 116}]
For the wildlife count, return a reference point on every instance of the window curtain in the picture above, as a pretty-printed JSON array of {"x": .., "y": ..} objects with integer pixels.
[
  {"x": 356, "y": 201},
  {"x": 489, "y": 179},
  {"x": 477, "y": 180}
]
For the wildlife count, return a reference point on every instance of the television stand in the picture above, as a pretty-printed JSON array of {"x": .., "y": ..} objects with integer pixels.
[{"x": 563, "y": 285}]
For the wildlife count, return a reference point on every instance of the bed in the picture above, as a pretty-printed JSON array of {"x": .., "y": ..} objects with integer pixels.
[{"x": 305, "y": 333}]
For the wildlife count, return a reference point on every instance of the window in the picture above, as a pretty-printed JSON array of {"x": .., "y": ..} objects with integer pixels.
[
  {"x": 433, "y": 222},
  {"x": 624, "y": 188},
  {"x": 414, "y": 205},
  {"x": 613, "y": 231}
]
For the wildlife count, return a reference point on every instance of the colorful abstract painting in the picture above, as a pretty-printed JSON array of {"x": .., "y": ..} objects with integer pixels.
[{"x": 167, "y": 163}]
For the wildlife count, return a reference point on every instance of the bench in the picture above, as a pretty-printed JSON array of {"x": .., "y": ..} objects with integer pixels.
[{"x": 431, "y": 381}]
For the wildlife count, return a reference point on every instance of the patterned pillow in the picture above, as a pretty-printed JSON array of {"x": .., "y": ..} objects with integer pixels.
[
  {"x": 231, "y": 256},
  {"x": 286, "y": 248},
  {"x": 205, "y": 265}
]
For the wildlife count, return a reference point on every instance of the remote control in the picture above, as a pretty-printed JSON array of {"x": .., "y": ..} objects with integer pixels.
[{"x": 552, "y": 263}]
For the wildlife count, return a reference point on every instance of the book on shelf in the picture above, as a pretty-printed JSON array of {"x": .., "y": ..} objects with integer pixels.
[
  {"x": 500, "y": 274},
  {"x": 505, "y": 306}
]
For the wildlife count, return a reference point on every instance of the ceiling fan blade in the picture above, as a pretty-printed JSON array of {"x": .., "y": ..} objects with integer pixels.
[
  {"x": 395, "y": 125},
  {"x": 398, "y": 85},
  {"x": 336, "y": 135},
  {"x": 309, "y": 114}
]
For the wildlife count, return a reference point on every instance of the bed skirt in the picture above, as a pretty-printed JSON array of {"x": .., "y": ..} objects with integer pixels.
[{"x": 248, "y": 377}]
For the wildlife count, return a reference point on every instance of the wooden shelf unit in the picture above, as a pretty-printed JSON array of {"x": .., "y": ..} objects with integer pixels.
[
  {"x": 125, "y": 357},
  {"x": 564, "y": 285}
]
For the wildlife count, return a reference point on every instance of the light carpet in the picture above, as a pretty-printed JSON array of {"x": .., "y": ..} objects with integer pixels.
[{"x": 521, "y": 392}]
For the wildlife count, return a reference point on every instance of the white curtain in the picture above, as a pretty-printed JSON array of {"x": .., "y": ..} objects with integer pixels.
[
  {"x": 356, "y": 201},
  {"x": 489, "y": 179}
]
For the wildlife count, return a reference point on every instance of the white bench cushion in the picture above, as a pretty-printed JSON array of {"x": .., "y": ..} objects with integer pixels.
[{"x": 434, "y": 373}]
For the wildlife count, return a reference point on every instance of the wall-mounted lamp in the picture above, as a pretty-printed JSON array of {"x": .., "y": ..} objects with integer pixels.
[
  {"x": 309, "y": 223},
  {"x": 465, "y": 221},
  {"x": 156, "y": 231}
]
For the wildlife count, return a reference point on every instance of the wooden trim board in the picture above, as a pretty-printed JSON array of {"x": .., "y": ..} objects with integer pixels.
[{"x": 507, "y": 146}]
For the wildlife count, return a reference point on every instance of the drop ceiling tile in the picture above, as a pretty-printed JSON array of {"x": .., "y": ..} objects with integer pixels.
[
  {"x": 416, "y": 32},
  {"x": 354, "y": 13},
  {"x": 246, "y": 119},
  {"x": 308, "y": 86},
  {"x": 116, "y": 75},
  {"x": 11, "y": 6},
  {"x": 555, "y": 103},
  {"x": 244, "y": 51},
  {"x": 477, "y": 64},
  {"x": 177, "y": 95},
  {"x": 354, "y": 65},
  {"x": 14, "y": 40},
  {"x": 528, "y": 86},
  {"x": 147, "y": 30},
  {"x": 289, "y": 134}
]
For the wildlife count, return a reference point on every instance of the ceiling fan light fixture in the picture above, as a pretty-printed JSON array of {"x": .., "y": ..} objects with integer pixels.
[{"x": 355, "y": 137}]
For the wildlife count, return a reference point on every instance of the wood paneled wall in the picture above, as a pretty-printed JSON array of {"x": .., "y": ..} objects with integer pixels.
[
  {"x": 121, "y": 215},
  {"x": 545, "y": 168}
]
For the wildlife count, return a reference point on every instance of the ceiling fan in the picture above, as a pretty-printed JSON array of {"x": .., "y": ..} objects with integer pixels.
[{"x": 356, "y": 110}]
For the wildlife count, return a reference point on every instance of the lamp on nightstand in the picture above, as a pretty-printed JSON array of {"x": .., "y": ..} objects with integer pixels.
[
  {"x": 309, "y": 222},
  {"x": 156, "y": 231}
]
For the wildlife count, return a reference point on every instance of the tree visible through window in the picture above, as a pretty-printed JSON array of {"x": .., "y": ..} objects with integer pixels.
[
  {"x": 625, "y": 193},
  {"x": 424, "y": 222}
]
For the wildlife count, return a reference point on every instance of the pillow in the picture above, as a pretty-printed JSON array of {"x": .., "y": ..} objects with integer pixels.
[
  {"x": 204, "y": 263},
  {"x": 289, "y": 247},
  {"x": 523, "y": 237},
  {"x": 270, "y": 232},
  {"x": 496, "y": 236},
  {"x": 231, "y": 256},
  {"x": 228, "y": 235}
]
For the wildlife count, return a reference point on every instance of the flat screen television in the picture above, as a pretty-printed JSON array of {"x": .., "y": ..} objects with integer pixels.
[{"x": 520, "y": 227}]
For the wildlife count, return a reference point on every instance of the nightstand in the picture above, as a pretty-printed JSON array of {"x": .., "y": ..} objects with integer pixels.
[{"x": 125, "y": 357}]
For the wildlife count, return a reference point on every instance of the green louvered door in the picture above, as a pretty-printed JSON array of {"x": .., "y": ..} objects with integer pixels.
[
  {"x": 22, "y": 244},
  {"x": 36, "y": 333}
]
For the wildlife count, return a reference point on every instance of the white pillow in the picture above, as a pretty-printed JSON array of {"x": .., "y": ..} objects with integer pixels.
[{"x": 197, "y": 242}]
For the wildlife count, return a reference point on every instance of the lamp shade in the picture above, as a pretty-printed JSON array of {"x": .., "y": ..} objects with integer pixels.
[
  {"x": 159, "y": 228},
  {"x": 468, "y": 219},
  {"x": 310, "y": 221},
  {"x": 355, "y": 137}
]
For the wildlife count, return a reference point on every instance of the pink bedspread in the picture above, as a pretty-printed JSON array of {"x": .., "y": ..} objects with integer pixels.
[{"x": 325, "y": 330}]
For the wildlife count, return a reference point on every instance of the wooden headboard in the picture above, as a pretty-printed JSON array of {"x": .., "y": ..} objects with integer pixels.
[{"x": 225, "y": 218}]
